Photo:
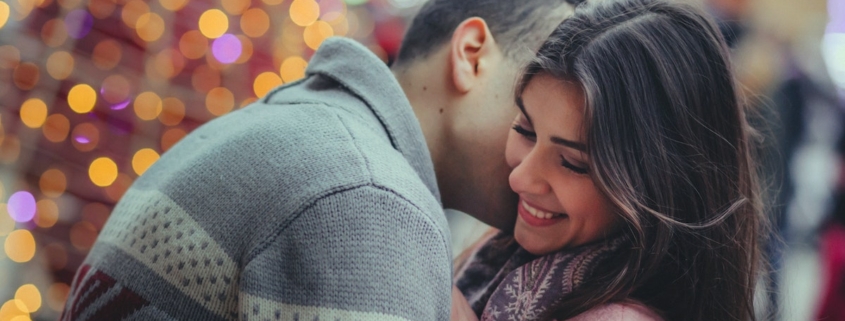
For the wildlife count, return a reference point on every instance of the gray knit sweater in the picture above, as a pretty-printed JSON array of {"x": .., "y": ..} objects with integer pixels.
[{"x": 318, "y": 202}]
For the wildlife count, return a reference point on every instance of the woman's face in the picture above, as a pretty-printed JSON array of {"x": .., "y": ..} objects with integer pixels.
[{"x": 560, "y": 205}]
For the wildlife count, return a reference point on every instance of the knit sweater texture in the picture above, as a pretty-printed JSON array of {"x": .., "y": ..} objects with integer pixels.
[{"x": 318, "y": 202}]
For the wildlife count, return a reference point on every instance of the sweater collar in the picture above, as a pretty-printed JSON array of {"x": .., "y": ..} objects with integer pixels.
[{"x": 366, "y": 76}]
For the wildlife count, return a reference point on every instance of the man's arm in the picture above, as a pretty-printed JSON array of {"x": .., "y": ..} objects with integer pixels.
[{"x": 360, "y": 254}]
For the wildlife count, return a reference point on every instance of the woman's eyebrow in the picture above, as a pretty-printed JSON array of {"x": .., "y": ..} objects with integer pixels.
[
  {"x": 522, "y": 108},
  {"x": 569, "y": 143}
]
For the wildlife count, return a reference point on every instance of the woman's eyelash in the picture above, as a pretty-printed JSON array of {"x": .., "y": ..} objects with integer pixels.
[
  {"x": 571, "y": 167},
  {"x": 524, "y": 132}
]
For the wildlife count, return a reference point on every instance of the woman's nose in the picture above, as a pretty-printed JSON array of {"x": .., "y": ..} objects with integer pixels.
[{"x": 528, "y": 177}]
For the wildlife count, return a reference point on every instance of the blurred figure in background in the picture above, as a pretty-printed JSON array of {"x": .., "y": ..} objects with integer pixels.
[{"x": 831, "y": 305}]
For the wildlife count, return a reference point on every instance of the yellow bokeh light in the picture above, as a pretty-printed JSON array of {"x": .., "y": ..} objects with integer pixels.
[
  {"x": 293, "y": 68},
  {"x": 53, "y": 182},
  {"x": 149, "y": 26},
  {"x": 57, "y": 295},
  {"x": 133, "y": 10},
  {"x": 173, "y": 5},
  {"x": 103, "y": 171},
  {"x": 147, "y": 105},
  {"x": 235, "y": 7},
  {"x": 47, "y": 213},
  {"x": 255, "y": 22},
  {"x": 56, "y": 128},
  {"x": 171, "y": 137},
  {"x": 60, "y": 65},
  {"x": 30, "y": 296},
  {"x": 82, "y": 98},
  {"x": 265, "y": 82},
  {"x": 172, "y": 112},
  {"x": 86, "y": 136},
  {"x": 193, "y": 44},
  {"x": 82, "y": 235},
  {"x": 33, "y": 112},
  {"x": 213, "y": 23},
  {"x": 316, "y": 33},
  {"x": 7, "y": 224},
  {"x": 304, "y": 12},
  {"x": 219, "y": 101},
  {"x": 11, "y": 310},
  {"x": 4, "y": 14},
  {"x": 107, "y": 54},
  {"x": 20, "y": 246},
  {"x": 143, "y": 159},
  {"x": 272, "y": 2}
]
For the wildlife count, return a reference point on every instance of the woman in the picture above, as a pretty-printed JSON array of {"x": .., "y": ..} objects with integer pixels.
[{"x": 632, "y": 161}]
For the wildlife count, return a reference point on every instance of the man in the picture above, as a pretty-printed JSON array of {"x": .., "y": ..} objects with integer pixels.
[{"x": 322, "y": 201}]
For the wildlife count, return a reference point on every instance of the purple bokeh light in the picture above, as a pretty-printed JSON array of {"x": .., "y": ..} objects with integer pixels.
[
  {"x": 78, "y": 23},
  {"x": 120, "y": 105},
  {"x": 21, "y": 206},
  {"x": 227, "y": 48},
  {"x": 82, "y": 140}
]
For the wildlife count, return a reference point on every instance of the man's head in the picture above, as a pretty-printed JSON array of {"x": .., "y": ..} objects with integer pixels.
[{"x": 458, "y": 65}]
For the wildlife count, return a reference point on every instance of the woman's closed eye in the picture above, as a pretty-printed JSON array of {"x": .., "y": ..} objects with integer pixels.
[
  {"x": 573, "y": 168},
  {"x": 532, "y": 136}
]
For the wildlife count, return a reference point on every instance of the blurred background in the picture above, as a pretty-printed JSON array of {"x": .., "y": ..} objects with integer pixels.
[{"x": 93, "y": 91}]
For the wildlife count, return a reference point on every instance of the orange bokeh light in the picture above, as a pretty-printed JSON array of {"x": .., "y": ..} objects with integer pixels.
[
  {"x": 60, "y": 65},
  {"x": 193, "y": 44},
  {"x": 255, "y": 22},
  {"x": 56, "y": 128},
  {"x": 107, "y": 54},
  {"x": 304, "y": 12},
  {"x": 219, "y": 101}
]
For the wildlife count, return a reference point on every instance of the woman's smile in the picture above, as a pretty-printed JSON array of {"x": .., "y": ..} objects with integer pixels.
[{"x": 536, "y": 216}]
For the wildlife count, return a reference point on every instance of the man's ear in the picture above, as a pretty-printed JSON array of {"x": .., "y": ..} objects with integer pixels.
[{"x": 471, "y": 43}]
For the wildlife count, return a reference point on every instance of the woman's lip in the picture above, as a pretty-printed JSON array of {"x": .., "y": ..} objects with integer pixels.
[{"x": 536, "y": 221}]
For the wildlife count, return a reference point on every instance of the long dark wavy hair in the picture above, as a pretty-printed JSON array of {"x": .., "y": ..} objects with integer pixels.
[{"x": 670, "y": 146}]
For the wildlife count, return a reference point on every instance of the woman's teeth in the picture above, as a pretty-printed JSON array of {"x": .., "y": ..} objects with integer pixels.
[{"x": 539, "y": 213}]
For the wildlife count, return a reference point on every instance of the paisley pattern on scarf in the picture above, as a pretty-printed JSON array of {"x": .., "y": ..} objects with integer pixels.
[{"x": 522, "y": 286}]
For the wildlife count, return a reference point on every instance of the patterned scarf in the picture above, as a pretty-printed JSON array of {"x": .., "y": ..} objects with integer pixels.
[{"x": 502, "y": 281}]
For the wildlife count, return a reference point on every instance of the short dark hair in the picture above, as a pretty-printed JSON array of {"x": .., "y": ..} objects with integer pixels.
[{"x": 519, "y": 27}]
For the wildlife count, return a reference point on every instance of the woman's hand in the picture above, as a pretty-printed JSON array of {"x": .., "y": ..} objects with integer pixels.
[{"x": 461, "y": 311}]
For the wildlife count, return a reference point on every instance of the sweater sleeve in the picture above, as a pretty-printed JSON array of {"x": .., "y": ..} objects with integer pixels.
[{"x": 360, "y": 254}]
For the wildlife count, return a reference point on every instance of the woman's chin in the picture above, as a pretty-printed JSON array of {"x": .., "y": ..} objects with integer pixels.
[{"x": 534, "y": 243}]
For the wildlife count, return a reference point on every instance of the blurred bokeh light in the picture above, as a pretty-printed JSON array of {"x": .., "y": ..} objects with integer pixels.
[{"x": 94, "y": 91}]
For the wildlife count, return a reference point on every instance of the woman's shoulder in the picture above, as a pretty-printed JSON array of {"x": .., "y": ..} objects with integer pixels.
[{"x": 631, "y": 311}]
